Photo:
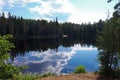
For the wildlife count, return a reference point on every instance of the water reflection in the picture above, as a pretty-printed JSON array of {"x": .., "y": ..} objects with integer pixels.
[
  {"x": 41, "y": 45},
  {"x": 58, "y": 60}
]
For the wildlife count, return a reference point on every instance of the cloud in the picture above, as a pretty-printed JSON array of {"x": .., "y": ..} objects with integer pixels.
[
  {"x": 53, "y": 7},
  {"x": 49, "y": 9},
  {"x": 12, "y": 2},
  {"x": 62, "y": 7},
  {"x": 1, "y": 5},
  {"x": 66, "y": 7},
  {"x": 9, "y": 3},
  {"x": 78, "y": 17},
  {"x": 45, "y": 8}
]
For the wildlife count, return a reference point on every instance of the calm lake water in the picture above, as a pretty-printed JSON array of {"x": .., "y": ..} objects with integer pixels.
[{"x": 42, "y": 56}]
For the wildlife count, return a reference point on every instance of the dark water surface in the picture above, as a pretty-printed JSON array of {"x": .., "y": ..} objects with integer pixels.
[{"x": 55, "y": 56}]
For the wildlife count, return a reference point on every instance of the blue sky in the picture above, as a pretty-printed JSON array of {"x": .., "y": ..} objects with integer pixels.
[{"x": 76, "y": 11}]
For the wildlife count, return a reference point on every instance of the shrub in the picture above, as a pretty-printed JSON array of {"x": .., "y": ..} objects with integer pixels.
[
  {"x": 7, "y": 70},
  {"x": 80, "y": 69}
]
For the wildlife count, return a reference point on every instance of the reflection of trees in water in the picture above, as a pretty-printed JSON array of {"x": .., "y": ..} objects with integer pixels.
[{"x": 38, "y": 44}]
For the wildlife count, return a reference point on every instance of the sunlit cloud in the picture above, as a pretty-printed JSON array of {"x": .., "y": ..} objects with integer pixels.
[
  {"x": 52, "y": 8},
  {"x": 49, "y": 9}
]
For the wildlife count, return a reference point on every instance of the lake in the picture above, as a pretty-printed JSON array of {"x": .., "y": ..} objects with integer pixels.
[{"x": 55, "y": 56}]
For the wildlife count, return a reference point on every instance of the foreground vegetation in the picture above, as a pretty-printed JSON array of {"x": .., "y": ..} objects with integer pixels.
[
  {"x": 8, "y": 70},
  {"x": 80, "y": 69}
]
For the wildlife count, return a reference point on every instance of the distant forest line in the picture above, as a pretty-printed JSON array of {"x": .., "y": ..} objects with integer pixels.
[{"x": 22, "y": 28}]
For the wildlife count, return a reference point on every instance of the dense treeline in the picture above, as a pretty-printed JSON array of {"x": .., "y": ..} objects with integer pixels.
[{"x": 19, "y": 27}]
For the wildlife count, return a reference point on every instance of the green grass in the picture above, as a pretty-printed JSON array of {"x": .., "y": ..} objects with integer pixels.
[
  {"x": 47, "y": 74},
  {"x": 28, "y": 76}
]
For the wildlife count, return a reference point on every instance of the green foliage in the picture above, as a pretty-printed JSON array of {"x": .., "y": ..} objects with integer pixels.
[
  {"x": 5, "y": 47},
  {"x": 108, "y": 43},
  {"x": 27, "y": 76},
  {"x": 80, "y": 69},
  {"x": 47, "y": 74},
  {"x": 8, "y": 70}
]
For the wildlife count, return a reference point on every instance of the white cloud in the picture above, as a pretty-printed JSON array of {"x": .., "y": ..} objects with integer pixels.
[
  {"x": 86, "y": 17},
  {"x": 75, "y": 15},
  {"x": 1, "y": 5},
  {"x": 48, "y": 9},
  {"x": 11, "y": 2}
]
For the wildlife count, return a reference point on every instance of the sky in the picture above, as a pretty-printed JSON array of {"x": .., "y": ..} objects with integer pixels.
[{"x": 75, "y": 11}]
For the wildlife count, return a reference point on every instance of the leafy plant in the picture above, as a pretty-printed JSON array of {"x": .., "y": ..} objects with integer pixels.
[
  {"x": 80, "y": 69},
  {"x": 7, "y": 70},
  {"x": 47, "y": 74}
]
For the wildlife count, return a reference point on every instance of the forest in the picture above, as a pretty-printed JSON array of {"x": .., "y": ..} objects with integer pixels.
[
  {"x": 104, "y": 34},
  {"x": 21, "y": 28}
]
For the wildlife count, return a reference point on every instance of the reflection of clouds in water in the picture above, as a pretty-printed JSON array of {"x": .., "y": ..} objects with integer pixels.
[
  {"x": 48, "y": 61},
  {"x": 78, "y": 47}
]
